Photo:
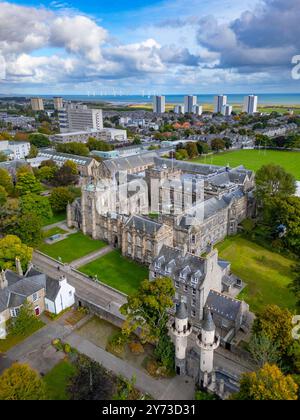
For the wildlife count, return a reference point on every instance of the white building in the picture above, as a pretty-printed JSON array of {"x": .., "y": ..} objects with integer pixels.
[
  {"x": 179, "y": 109},
  {"x": 189, "y": 103},
  {"x": 58, "y": 103},
  {"x": 226, "y": 110},
  {"x": 78, "y": 117},
  {"x": 106, "y": 134},
  {"x": 159, "y": 104},
  {"x": 220, "y": 101},
  {"x": 250, "y": 104},
  {"x": 197, "y": 110},
  {"x": 15, "y": 150},
  {"x": 60, "y": 295},
  {"x": 37, "y": 104}
]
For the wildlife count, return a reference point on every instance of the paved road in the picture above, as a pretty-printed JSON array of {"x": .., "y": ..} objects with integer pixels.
[
  {"x": 91, "y": 257},
  {"x": 177, "y": 388},
  {"x": 86, "y": 289}
]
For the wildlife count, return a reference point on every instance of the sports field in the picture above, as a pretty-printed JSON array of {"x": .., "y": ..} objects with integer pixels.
[{"x": 255, "y": 159}]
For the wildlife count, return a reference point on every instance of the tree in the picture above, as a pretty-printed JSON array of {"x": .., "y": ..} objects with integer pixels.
[
  {"x": 59, "y": 199},
  {"x": 29, "y": 229},
  {"x": 165, "y": 351},
  {"x": 72, "y": 165},
  {"x": 6, "y": 181},
  {"x": 91, "y": 381},
  {"x": 137, "y": 140},
  {"x": 3, "y": 196},
  {"x": 218, "y": 144},
  {"x": 275, "y": 324},
  {"x": 20, "y": 382},
  {"x": 33, "y": 152},
  {"x": 3, "y": 157},
  {"x": 46, "y": 173},
  {"x": 269, "y": 383},
  {"x": 39, "y": 140},
  {"x": 263, "y": 350},
  {"x": 25, "y": 321},
  {"x": 181, "y": 154},
  {"x": 94, "y": 144},
  {"x": 65, "y": 176},
  {"x": 147, "y": 308},
  {"x": 192, "y": 150},
  {"x": 272, "y": 181},
  {"x": 11, "y": 247},
  {"x": 33, "y": 203},
  {"x": 294, "y": 286},
  {"x": 203, "y": 148},
  {"x": 286, "y": 212},
  {"x": 73, "y": 148},
  {"x": 27, "y": 183}
]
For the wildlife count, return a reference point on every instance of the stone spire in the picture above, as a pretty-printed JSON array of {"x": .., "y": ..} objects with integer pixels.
[
  {"x": 181, "y": 311},
  {"x": 208, "y": 323}
]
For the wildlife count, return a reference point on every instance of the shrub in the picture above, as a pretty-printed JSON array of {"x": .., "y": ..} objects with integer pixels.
[
  {"x": 136, "y": 347},
  {"x": 116, "y": 343}
]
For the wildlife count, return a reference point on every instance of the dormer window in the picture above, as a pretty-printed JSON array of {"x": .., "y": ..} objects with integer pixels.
[
  {"x": 184, "y": 273},
  {"x": 193, "y": 239}
]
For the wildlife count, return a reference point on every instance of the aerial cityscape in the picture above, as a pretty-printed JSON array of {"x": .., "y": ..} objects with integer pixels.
[{"x": 149, "y": 203}]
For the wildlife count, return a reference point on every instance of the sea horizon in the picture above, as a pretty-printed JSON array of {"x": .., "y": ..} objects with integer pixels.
[{"x": 263, "y": 98}]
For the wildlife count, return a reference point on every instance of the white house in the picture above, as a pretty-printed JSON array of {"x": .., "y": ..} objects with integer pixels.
[
  {"x": 60, "y": 295},
  {"x": 15, "y": 149}
]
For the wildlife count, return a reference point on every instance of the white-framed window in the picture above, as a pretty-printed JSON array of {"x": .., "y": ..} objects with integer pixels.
[
  {"x": 14, "y": 312},
  {"x": 35, "y": 297}
]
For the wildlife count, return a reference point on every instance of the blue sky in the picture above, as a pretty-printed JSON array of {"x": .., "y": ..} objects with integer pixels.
[{"x": 170, "y": 46}]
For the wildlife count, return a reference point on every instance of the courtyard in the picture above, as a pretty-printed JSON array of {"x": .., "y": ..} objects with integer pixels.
[
  {"x": 75, "y": 246},
  {"x": 117, "y": 271},
  {"x": 255, "y": 159},
  {"x": 266, "y": 273}
]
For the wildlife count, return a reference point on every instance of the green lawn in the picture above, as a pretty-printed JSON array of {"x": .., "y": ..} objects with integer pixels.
[
  {"x": 60, "y": 217},
  {"x": 118, "y": 272},
  {"x": 73, "y": 247},
  {"x": 266, "y": 273},
  {"x": 254, "y": 159},
  {"x": 58, "y": 379},
  {"x": 13, "y": 340}
]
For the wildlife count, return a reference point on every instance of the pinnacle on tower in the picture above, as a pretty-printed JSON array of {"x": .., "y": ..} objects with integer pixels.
[
  {"x": 208, "y": 323},
  {"x": 181, "y": 311}
]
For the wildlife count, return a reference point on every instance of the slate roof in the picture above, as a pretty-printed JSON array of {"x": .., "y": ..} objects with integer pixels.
[
  {"x": 181, "y": 311},
  {"x": 211, "y": 206},
  {"x": 144, "y": 224},
  {"x": 171, "y": 262},
  {"x": 129, "y": 162},
  {"x": 223, "y": 305},
  {"x": 20, "y": 288},
  {"x": 190, "y": 167},
  {"x": 63, "y": 157}
]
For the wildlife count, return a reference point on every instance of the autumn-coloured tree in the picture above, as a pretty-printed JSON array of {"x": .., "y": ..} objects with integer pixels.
[
  {"x": 276, "y": 324},
  {"x": 20, "y": 382},
  {"x": 11, "y": 247},
  {"x": 269, "y": 383},
  {"x": 148, "y": 308}
]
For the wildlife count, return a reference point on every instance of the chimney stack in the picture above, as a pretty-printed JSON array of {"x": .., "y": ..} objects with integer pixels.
[{"x": 3, "y": 280}]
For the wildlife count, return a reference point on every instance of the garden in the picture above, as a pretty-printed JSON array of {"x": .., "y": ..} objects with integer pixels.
[
  {"x": 73, "y": 247},
  {"x": 117, "y": 271}
]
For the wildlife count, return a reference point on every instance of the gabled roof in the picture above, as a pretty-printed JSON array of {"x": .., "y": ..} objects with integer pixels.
[
  {"x": 144, "y": 224},
  {"x": 223, "y": 305}
]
